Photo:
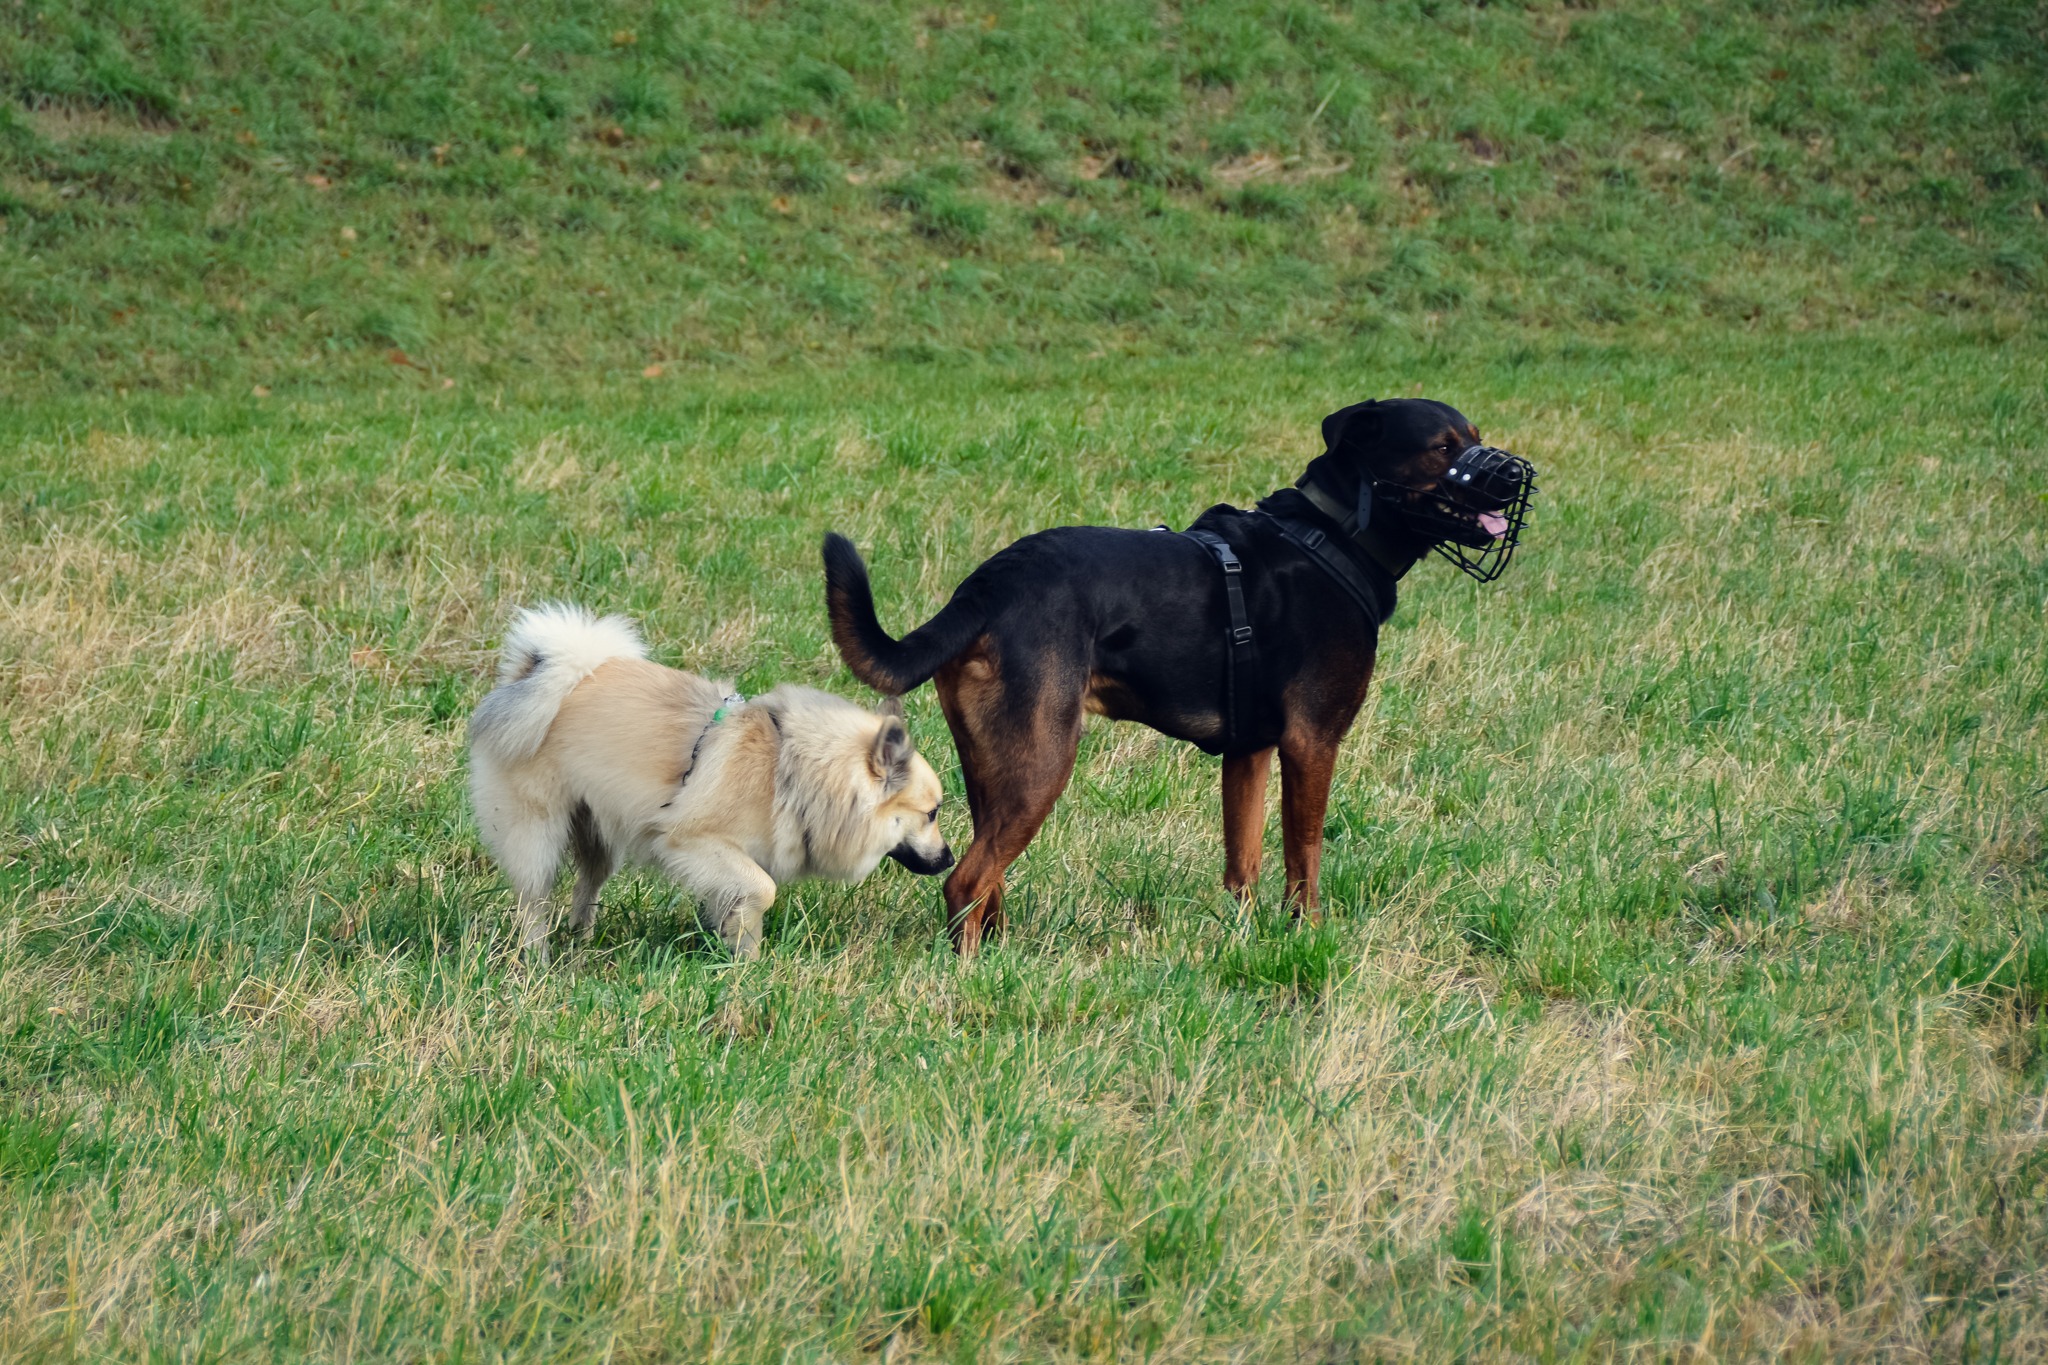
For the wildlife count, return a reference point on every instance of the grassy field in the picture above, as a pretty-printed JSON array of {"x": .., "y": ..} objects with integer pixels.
[
  {"x": 200, "y": 193},
  {"x": 1685, "y": 987},
  {"x": 1685, "y": 992}
]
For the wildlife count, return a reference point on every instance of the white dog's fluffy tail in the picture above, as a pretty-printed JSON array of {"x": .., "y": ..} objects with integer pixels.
[{"x": 547, "y": 652}]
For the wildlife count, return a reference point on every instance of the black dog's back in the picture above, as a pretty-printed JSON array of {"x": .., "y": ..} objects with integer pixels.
[
  {"x": 1071, "y": 589},
  {"x": 1136, "y": 622},
  {"x": 1129, "y": 620}
]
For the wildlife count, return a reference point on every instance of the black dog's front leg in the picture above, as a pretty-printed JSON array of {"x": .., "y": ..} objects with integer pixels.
[
  {"x": 1244, "y": 820},
  {"x": 1307, "y": 762}
]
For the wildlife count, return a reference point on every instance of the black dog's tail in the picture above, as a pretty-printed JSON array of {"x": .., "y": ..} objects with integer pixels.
[{"x": 890, "y": 666}]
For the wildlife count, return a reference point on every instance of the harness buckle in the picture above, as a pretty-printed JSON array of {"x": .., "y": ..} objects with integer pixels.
[
  {"x": 1241, "y": 636},
  {"x": 1232, "y": 566},
  {"x": 1314, "y": 538}
]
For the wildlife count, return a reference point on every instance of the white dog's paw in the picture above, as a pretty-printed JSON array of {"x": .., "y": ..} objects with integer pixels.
[{"x": 741, "y": 932}]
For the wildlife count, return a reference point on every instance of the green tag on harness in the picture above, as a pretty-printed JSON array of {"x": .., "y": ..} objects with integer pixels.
[{"x": 732, "y": 699}]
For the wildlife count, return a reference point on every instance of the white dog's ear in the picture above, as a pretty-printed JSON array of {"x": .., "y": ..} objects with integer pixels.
[
  {"x": 891, "y": 706},
  {"x": 890, "y": 756}
]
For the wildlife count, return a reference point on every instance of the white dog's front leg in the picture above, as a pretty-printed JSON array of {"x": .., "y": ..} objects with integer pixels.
[{"x": 733, "y": 889}]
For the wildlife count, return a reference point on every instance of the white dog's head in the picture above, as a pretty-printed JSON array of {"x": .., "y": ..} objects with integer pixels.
[
  {"x": 856, "y": 785},
  {"x": 911, "y": 795}
]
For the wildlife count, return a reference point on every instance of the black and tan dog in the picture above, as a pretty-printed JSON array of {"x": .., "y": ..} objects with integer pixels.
[{"x": 1252, "y": 631}]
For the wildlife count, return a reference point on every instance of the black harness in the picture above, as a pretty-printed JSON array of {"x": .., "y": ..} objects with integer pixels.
[
  {"x": 1241, "y": 671},
  {"x": 1373, "y": 592},
  {"x": 1375, "y": 599}
]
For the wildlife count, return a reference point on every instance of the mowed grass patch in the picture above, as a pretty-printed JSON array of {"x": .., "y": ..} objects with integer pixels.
[{"x": 1682, "y": 989}]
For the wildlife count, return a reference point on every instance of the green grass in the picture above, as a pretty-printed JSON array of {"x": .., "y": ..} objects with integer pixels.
[
  {"x": 196, "y": 193},
  {"x": 1685, "y": 990}
]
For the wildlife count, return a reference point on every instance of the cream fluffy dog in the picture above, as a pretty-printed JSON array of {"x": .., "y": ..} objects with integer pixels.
[{"x": 586, "y": 744}]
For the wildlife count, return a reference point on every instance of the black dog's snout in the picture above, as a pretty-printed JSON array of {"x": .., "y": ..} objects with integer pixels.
[
  {"x": 1490, "y": 475},
  {"x": 1475, "y": 513},
  {"x": 919, "y": 863}
]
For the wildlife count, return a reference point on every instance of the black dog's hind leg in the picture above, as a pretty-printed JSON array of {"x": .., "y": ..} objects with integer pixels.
[
  {"x": 1016, "y": 755},
  {"x": 1244, "y": 820},
  {"x": 594, "y": 864}
]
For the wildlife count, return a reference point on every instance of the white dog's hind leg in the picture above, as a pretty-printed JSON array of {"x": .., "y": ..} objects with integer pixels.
[
  {"x": 595, "y": 863},
  {"x": 531, "y": 852},
  {"x": 735, "y": 892},
  {"x": 583, "y": 903}
]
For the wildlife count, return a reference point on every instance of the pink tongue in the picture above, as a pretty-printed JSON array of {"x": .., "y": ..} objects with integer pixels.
[{"x": 1493, "y": 523}]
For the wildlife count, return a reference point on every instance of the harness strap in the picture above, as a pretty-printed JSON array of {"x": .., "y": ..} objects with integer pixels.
[
  {"x": 1241, "y": 671},
  {"x": 732, "y": 699},
  {"x": 1313, "y": 542},
  {"x": 1365, "y": 538}
]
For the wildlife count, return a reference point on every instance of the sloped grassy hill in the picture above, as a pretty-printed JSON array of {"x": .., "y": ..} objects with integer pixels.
[{"x": 193, "y": 191}]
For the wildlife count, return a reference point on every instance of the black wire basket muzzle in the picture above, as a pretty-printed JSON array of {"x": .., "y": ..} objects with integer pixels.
[{"x": 1475, "y": 514}]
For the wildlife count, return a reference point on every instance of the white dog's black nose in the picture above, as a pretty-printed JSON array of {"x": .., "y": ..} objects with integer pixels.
[{"x": 919, "y": 863}]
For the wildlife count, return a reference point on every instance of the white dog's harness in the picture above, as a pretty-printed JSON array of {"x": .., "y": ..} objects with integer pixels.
[{"x": 732, "y": 702}]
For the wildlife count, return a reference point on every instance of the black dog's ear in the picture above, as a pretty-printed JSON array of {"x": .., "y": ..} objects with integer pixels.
[
  {"x": 1355, "y": 426},
  {"x": 890, "y": 756},
  {"x": 1351, "y": 436}
]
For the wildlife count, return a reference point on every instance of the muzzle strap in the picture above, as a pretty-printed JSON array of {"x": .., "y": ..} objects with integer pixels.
[{"x": 1494, "y": 483}]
